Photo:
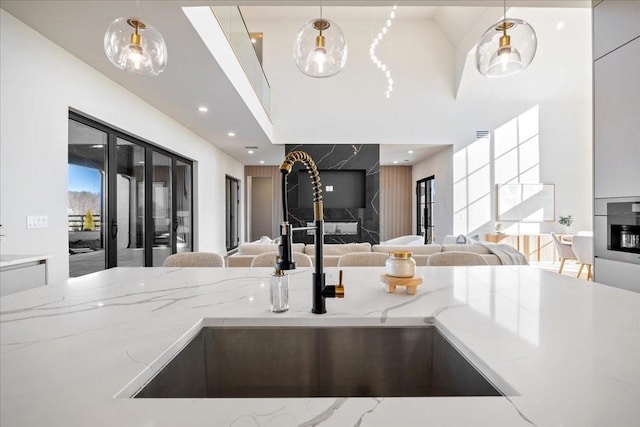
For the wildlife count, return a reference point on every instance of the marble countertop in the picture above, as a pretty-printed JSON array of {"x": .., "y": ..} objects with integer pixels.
[
  {"x": 569, "y": 348},
  {"x": 11, "y": 260}
]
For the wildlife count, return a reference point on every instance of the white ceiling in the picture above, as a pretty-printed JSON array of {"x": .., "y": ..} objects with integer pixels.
[{"x": 194, "y": 78}]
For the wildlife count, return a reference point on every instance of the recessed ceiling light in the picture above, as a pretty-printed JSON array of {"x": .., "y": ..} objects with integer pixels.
[
  {"x": 231, "y": 134},
  {"x": 560, "y": 25},
  {"x": 250, "y": 151},
  {"x": 262, "y": 162},
  {"x": 395, "y": 162},
  {"x": 410, "y": 151},
  {"x": 203, "y": 109}
]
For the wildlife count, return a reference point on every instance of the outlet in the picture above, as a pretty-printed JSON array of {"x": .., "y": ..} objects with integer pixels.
[
  {"x": 37, "y": 221},
  {"x": 328, "y": 188}
]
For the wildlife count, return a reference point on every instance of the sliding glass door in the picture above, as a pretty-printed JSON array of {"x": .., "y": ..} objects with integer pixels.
[
  {"x": 123, "y": 209},
  {"x": 162, "y": 212},
  {"x": 128, "y": 228},
  {"x": 87, "y": 161},
  {"x": 184, "y": 203}
]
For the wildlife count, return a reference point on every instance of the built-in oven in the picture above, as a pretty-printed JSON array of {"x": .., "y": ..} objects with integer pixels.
[{"x": 617, "y": 229}]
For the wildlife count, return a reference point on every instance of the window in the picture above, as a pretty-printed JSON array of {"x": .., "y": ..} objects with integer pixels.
[
  {"x": 232, "y": 204},
  {"x": 425, "y": 191},
  {"x": 130, "y": 202}
]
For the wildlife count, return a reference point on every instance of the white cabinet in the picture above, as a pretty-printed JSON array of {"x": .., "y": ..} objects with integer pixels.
[
  {"x": 617, "y": 122},
  {"x": 22, "y": 272},
  {"x": 615, "y": 22}
]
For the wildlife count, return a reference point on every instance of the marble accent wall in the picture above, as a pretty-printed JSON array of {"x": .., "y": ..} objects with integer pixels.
[{"x": 363, "y": 157}]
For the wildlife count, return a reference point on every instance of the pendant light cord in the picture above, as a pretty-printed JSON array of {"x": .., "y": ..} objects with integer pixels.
[
  {"x": 321, "y": 20},
  {"x": 504, "y": 18}
]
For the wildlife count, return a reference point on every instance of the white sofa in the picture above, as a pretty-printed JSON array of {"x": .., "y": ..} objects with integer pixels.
[
  {"x": 421, "y": 253},
  {"x": 333, "y": 251},
  {"x": 247, "y": 251},
  {"x": 410, "y": 240}
]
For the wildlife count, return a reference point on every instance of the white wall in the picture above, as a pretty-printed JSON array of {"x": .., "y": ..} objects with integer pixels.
[
  {"x": 40, "y": 82},
  {"x": 351, "y": 105},
  {"x": 566, "y": 155},
  {"x": 555, "y": 149},
  {"x": 441, "y": 166}
]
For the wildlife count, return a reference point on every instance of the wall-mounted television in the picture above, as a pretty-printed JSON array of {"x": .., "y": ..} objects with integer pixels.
[{"x": 341, "y": 189}]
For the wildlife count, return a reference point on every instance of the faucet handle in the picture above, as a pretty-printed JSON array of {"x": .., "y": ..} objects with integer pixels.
[{"x": 340, "y": 286}]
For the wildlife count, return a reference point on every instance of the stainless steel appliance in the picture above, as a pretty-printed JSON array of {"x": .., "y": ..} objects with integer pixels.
[{"x": 617, "y": 229}]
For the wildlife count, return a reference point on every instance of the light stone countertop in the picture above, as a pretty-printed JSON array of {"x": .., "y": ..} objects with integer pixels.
[{"x": 569, "y": 348}]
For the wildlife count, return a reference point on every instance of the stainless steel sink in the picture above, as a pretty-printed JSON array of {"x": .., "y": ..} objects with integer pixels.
[{"x": 257, "y": 362}]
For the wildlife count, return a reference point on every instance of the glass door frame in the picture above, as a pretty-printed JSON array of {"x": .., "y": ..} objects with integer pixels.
[
  {"x": 428, "y": 184},
  {"x": 110, "y": 222},
  {"x": 232, "y": 222}
]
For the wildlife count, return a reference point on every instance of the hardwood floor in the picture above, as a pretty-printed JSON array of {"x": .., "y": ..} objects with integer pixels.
[{"x": 570, "y": 268}]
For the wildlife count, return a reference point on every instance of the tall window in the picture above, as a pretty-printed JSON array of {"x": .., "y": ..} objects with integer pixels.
[
  {"x": 425, "y": 192},
  {"x": 130, "y": 202},
  {"x": 232, "y": 204}
]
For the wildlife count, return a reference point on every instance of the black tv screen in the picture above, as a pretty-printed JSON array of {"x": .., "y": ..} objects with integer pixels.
[{"x": 340, "y": 189}]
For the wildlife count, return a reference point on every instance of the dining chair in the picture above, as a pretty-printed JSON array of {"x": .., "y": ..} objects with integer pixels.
[
  {"x": 363, "y": 259},
  {"x": 194, "y": 259},
  {"x": 583, "y": 249},
  {"x": 268, "y": 259},
  {"x": 455, "y": 258},
  {"x": 564, "y": 250}
]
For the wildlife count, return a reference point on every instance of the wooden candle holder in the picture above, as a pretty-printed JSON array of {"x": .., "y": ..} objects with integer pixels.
[{"x": 411, "y": 283}]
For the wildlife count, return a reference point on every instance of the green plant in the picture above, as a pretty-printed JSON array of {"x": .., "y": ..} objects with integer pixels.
[
  {"x": 566, "y": 220},
  {"x": 88, "y": 224}
]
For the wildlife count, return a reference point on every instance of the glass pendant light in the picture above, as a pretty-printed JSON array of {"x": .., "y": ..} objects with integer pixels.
[
  {"x": 134, "y": 46},
  {"x": 320, "y": 49},
  {"x": 506, "y": 48}
]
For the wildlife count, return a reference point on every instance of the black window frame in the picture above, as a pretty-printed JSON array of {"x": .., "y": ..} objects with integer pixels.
[
  {"x": 230, "y": 242},
  {"x": 113, "y": 134}
]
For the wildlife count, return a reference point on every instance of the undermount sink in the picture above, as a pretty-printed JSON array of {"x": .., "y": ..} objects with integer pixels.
[{"x": 261, "y": 362}]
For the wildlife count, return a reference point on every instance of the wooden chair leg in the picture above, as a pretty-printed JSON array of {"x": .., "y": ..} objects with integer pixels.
[
  {"x": 580, "y": 270},
  {"x": 589, "y": 274},
  {"x": 561, "y": 265}
]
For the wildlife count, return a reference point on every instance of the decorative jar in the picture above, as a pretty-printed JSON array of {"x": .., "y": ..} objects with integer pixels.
[{"x": 400, "y": 264}]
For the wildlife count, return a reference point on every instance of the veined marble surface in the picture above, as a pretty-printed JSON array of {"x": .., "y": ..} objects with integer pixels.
[{"x": 569, "y": 348}]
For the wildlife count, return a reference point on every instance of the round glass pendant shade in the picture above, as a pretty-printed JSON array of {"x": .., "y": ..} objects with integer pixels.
[
  {"x": 320, "y": 49},
  {"x": 135, "y": 46},
  {"x": 500, "y": 55}
]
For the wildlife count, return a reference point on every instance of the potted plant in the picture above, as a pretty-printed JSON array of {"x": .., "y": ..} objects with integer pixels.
[
  {"x": 566, "y": 221},
  {"x": 87, "y": 223}
]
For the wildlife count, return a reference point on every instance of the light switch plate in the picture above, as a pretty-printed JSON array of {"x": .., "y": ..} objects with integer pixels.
[
  {"x": 329, "y": 188},
  {"x": 37, "y": 221}
]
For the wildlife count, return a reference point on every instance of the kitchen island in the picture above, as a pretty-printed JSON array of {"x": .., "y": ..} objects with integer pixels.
[{"x": 567, "y": 350}]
